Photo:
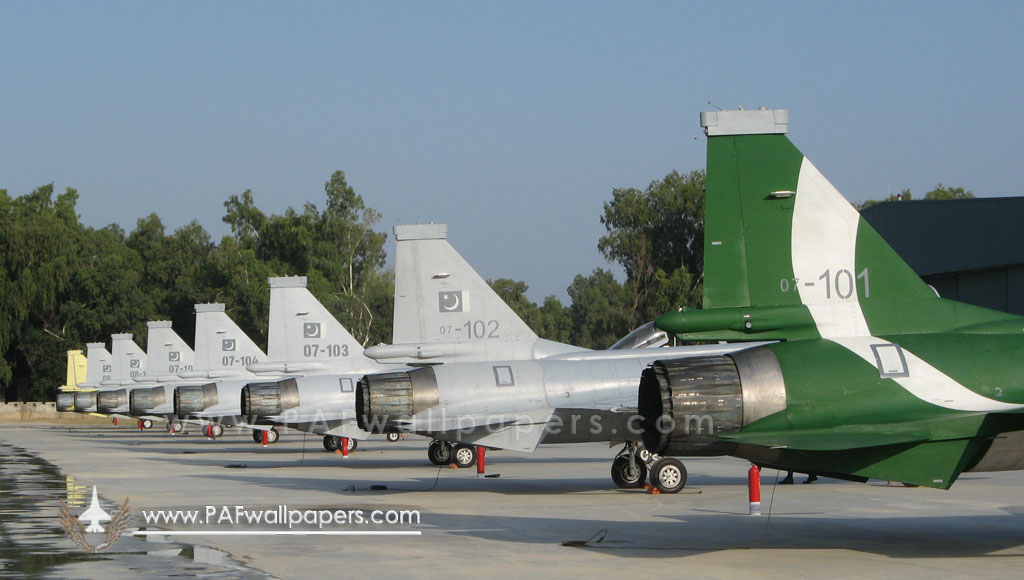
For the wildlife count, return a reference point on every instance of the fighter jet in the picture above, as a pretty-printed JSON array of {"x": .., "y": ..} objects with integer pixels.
[
  {"x": 322, "y": 361},
  {"x": 209, "y": 392},
  {"x": 126, "y": 362},
  {"x": 99, "y": 370},
  {"x": 76, "y": 374},
  {"x": 151, "y": 398},
  {"x": 508, "y": 389},
  {"x": 298, "y": 384},
  {"x": 876, "y": 377}
]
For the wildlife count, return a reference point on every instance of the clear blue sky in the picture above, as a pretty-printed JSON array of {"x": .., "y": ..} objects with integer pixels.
[{"x": 511, "y": 122}]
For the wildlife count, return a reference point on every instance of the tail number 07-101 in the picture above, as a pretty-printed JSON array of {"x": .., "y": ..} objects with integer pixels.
[{"x": 840, "y": 283}]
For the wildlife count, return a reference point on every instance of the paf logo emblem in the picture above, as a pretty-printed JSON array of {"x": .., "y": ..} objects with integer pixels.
[
  {"x": 453, "y": 301},
  {"x": 311, "y": 330},
  {"x": 227, "y": 345},
  {"x": 93, "y": 517}
]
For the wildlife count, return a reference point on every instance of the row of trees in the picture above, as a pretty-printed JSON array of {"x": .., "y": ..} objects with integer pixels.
[{"x": 63, "y": 284}]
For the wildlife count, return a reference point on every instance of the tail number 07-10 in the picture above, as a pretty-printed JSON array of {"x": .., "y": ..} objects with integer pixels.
[
  {"x": 472, "y": 329},
  {"x": 841, "y": 283}
]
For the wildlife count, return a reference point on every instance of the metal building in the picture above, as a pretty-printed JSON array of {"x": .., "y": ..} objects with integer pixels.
[{"x": 971, "y": 250}]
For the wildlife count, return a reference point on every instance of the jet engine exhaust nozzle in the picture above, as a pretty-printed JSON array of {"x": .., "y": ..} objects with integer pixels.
[
  {"x": 194, "y": 399},
  {"x": 65, "y": 402},
  {"x": 260, "y": 400},
  {"x": 85, "y": 400},
  {"x": 141, "y": 401},
  {"x": 384, "y": 399},
  {"x": 686, "y": 403},
  {"x": 107, "y": 401}
]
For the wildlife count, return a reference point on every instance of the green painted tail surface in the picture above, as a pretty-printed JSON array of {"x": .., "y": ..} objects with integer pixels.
[{"x": 778, "y": 234}]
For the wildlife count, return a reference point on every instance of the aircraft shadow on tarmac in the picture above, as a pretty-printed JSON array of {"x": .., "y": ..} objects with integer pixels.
[
  {"x": 895, "y": 537},
  {"x": 445, "y": 480}
]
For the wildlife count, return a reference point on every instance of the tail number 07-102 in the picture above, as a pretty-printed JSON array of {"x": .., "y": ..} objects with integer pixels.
[{"x": 472, "y": 329}]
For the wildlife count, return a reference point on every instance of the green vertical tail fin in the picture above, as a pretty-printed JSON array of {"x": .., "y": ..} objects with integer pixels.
[{"x": 786, "y": 256}]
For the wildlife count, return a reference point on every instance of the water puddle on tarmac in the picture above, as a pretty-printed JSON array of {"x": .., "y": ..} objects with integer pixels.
[{"x": 34, "y": 545}]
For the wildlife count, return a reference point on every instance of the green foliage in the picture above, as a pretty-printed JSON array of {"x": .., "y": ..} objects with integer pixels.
[
  {"x": 939, "y": 193},
  {"x": 657, "y": 235},
  {"x": 63, "y": 284},
  {"x": 600, "y": 310}
]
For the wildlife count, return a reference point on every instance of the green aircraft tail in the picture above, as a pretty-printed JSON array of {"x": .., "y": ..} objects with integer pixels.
[{"x": 787, "y": 257}]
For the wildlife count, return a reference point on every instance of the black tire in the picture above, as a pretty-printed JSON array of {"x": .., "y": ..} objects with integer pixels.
[
  {"x": 332, "y": 443},
  {"x": 147, "y": 424},
  {"x": 217, "y": 430},
  {"x": 272, "y": 435},
  {"x": 668, "y": 475},
  {"x": 177, "y": 426},
  {"x": 392, "y": 437},
  {"x": 464, "y": 455},
  {"x": 257, "y": 435},
  {"x": 352, "y": 444},
  {"x": 439, "y": 452},
  {"x": 626, "y": 476}
]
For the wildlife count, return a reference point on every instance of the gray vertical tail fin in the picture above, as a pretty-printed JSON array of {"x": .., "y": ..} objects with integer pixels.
[
  {"x": 128, "y": 360},
  {"x": 168, "y": 353},
  {"x": 304, "y": 336},
  {"x": 222, "y": 349},
  {"x": 445, "y": 310},
  {"x": 100, "y": 366}
]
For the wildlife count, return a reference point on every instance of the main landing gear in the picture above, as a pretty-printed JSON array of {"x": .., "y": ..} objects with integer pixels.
[
  {"x": 215, "y": 430},
  {"x": 633, "y": 464},
  {"x": 439, "y": 452},
  {"x": 272, "y": 435},
  {"x": 444, "y": 453},
  {"x": 333, "y": 443}
]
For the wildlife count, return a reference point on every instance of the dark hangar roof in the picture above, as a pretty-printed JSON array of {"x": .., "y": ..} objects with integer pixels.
[{"x": 942, "y": 236}]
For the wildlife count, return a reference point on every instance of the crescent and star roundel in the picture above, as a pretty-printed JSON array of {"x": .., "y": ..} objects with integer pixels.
[{"x": 452, "y": 301}]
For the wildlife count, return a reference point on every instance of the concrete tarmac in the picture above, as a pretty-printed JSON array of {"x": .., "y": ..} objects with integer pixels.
[{"x": 514, "y": 525}]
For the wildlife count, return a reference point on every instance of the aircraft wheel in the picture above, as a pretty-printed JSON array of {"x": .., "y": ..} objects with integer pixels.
[
  {"x": 352, "y": 444},
  {"x": 668, "y": 474},
  {"x": 392, "y": 437},
  {"x": 257, "y": 435},
  {"x": 464, "y": 455},
  {"x": 626, "y": 475},
  {"x": 439, "y": 452},
  {"x": 331, "y": 442},
  {"x": 147, "y": 424},
  {"x": 272, "y": 435},
  {"x": 217, "y": 430},
  {"x": 175, "y": 426}
]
